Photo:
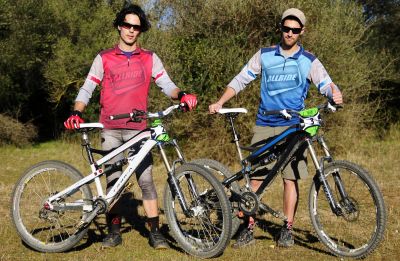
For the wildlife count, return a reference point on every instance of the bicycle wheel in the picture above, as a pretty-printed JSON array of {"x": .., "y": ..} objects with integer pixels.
[
  {"x": 358, "y": 231},
  {"x": 222, "y": 172},
  {"x": 206, "y": 232},
  {"x": 46, "y": 230}
]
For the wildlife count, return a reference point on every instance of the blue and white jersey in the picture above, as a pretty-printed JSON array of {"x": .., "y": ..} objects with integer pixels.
[{"x": 285, "y": 82}]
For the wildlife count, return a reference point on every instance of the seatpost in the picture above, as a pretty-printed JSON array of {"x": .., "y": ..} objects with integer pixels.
[
  {"x": 86, "y": 144},
  {"x": 236, "y": 136}
]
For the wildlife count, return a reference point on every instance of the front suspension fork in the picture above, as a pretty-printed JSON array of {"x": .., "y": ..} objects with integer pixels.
[
  {"x": 319, "y": 166},
  {"x": 173, "y": 181},
  {"x": 336, "y": 174}
]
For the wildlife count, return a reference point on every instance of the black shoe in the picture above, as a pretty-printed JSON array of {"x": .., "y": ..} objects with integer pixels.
[
  {"x": 112, "y": 239},
  {"x": 246, "y": 238},
  {"x": 285, "y": 238},
  {"x": 157, "y": 240}
]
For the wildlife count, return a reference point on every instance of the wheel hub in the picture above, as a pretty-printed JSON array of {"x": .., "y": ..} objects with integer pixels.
[{"x": 349, "y": 208}]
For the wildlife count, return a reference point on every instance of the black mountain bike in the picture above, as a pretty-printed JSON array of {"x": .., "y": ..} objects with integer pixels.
[
  {"x": 52, "y": 204},
  {"x": 346, "y": 206}
]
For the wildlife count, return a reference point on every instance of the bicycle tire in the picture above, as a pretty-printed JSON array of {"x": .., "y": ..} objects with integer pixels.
[
  {"x": 43, "y": 230},
  {"x": 360, "y": 229},
  {"x": 207, "y": 233},
  {"x": 222, "y": 172}
]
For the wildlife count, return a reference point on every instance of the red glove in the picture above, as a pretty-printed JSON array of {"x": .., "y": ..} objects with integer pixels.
[
  {"x": 74, "y": 120},
  {"x": 189, "y": 99}
]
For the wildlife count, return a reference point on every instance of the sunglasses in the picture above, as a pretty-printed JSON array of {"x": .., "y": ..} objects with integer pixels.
[
  {"x": 286, "y": 29},
  {"x": 128, "y": 26}
]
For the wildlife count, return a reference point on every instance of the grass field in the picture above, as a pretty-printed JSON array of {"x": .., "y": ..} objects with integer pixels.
[{"x": 380, "y": 157}]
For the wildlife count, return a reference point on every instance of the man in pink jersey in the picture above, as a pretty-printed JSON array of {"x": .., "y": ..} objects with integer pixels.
[{"x": 125, "y": 72}]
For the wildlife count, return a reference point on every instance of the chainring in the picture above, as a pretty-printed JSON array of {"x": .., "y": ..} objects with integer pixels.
[{"x": 249, "y": 203}]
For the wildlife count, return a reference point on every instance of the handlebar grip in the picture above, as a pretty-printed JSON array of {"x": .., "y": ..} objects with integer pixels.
[
  {"x": 274, "y": 112},
  {"x": 120, "y": 116}
]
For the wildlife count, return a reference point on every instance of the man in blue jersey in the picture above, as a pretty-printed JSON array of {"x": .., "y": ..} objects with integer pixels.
[{"x": 286, "y": 73}]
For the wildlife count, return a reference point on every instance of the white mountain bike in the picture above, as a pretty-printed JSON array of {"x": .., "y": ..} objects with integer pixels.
[{"x": 53, "y": 205}]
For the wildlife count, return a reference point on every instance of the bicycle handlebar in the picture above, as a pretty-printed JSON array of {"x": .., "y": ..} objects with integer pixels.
[
  {"x": 287, "y": 113},
  {"x": 139, "y": 115}
]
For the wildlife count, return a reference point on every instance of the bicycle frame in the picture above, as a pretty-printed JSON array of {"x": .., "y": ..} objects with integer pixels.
[
  {"x": 149, "y": 135},
  {"x": 253, "y": 161}
]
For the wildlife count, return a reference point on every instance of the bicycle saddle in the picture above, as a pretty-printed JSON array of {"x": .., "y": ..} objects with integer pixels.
[
  {"x": 232, "y": 110},
  {"x": 90, "y": 126}
]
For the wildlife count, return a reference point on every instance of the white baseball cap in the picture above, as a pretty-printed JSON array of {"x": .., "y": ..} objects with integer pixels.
[{"x": 295, "y": 13}]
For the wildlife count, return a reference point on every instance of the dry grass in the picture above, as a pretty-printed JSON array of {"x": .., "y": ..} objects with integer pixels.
[
  {"x": 380, "y": 157},
  {"x": 14, "y": 132}
]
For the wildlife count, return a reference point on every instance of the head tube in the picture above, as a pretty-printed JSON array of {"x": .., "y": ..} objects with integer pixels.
[{"x": 310, "y": 120}]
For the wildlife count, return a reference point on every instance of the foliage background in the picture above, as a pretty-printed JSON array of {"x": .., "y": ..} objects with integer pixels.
[{"x": 47, "y": 47}]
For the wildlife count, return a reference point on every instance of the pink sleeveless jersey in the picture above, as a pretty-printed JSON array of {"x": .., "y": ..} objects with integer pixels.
[{"x": 125, "y": 86}]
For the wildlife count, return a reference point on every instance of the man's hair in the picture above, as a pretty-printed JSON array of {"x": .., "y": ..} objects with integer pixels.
[{"x": 132, "y": 9}]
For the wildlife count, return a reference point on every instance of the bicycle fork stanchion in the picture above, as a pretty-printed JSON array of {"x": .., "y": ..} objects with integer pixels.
[
  {"x": 336, "y": 175},
  {"x": 182, "y": 160},
  {"x": 324, "y": 146},
  {"x": 325, "y": 185},
  {"x": 178, "y": 150},
  {"x": 173, "y": 182}
]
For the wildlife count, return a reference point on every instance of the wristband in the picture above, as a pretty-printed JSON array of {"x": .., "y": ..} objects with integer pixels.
[
  {"x": 181, "y": 94},
  {"x": 76, "y": 113}
]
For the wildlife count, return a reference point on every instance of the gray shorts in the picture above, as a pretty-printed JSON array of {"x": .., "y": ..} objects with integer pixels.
[
  {"x": 113, "y": 138},
  {"x": 296, "y": 169}
]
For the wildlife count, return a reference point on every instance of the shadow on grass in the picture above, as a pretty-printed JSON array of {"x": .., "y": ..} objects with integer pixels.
[
  {"x": 127, "y": 206},
  {"x": 303, "y": 238}
]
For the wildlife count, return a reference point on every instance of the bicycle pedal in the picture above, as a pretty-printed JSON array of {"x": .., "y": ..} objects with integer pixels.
[{"x": 240, "y": 214}]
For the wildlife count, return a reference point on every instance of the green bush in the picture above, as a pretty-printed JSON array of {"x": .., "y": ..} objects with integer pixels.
[{"x": 210, "y": 41}]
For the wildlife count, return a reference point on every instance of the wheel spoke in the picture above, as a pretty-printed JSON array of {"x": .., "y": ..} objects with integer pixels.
[
  {"x": 42, "y": 229},
  {"x": 205, "y": 233},
  {"x": 359, "y": 229}
]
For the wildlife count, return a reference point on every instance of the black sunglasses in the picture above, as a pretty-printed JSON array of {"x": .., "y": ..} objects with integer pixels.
[
  {"x": 128, "y": 26},
  {"x": 286, "y": 29}
]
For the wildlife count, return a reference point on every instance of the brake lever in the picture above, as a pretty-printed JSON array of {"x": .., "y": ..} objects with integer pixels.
[
  {"x": 331, "y": 107},
  {"x": 137, "y": 116},
  {"x": 285, "y": 114}
]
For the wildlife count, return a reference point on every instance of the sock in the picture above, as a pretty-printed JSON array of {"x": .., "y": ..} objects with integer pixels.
[
  {"x": 153, "y": 223},
  {"x": 114, "y": 223},
  {"x": 289, "y": 225},
  {"x": 251, "y": 223}
]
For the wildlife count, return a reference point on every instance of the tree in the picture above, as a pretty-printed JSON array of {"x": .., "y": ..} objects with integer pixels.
[
  {"x": 46, "y": 47},
  {"x": 46, "y": 55},
  {"x": 383, "y": 17},
  {"x": 208, "y": 42}
]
